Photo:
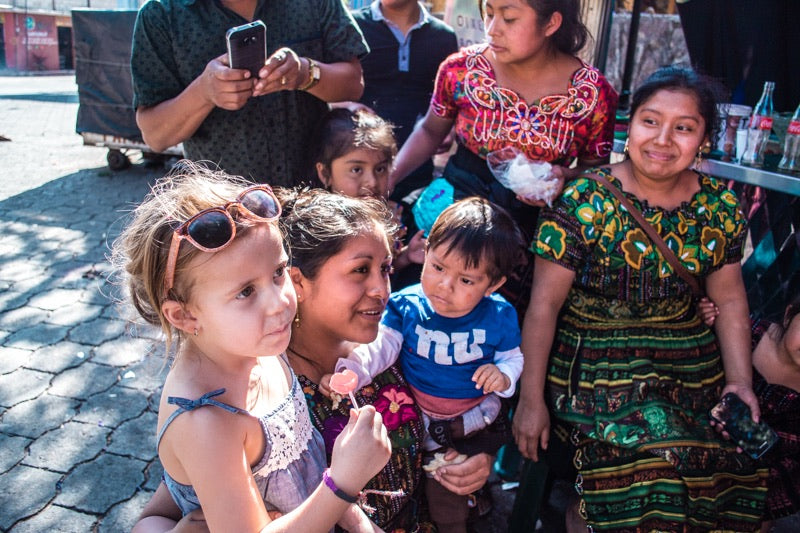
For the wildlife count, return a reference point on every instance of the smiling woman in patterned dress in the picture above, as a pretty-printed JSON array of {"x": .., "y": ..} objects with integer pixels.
[{"x": 613, "y": 345}]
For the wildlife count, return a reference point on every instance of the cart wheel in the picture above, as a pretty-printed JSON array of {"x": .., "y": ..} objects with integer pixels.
[
  {"x": 153, "y": 159},
  {"x": 117, "y": 160}
]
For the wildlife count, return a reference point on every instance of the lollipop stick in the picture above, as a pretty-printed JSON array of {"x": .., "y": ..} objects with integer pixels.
[{"x": 353, "y": 399}]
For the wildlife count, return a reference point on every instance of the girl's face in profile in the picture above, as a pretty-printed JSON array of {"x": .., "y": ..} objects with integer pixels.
[{"x": 362, "y": 172}]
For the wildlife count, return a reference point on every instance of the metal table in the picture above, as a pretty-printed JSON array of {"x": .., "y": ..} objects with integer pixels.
[{"x": 753, "y": 176}]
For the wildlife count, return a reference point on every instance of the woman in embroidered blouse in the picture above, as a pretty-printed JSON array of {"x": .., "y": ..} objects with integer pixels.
[
  {"x": 341, "y": 261},
  {"x": 524, "y": 88},
  {"x": 612, "y": 341}
]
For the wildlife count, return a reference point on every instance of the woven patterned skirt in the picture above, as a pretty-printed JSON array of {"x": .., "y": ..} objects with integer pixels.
[{"x": 636, "y": 384}]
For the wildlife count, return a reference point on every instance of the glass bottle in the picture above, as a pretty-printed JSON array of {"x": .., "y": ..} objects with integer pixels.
[
  {"x": 790, "y": 162},
  {"x": 759, "y": 128}
]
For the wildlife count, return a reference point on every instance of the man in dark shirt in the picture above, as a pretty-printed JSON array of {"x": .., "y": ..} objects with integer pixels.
[{"x": 260, "y": 129}]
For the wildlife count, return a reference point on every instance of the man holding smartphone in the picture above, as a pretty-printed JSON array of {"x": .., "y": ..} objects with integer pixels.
[{"x": 184, "y": 90}]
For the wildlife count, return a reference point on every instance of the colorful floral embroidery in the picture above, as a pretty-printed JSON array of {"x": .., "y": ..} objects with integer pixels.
[
  {"x": 396, "y": 406},
  {"x": 635, "y": 246},
  {"x": 557, "y": 128},
  {"x": 713, "y": 242},
  {"x": 552, "y": 239},
  {"x": 387, "y": 392},
  {"x": 587, "y": 225}
]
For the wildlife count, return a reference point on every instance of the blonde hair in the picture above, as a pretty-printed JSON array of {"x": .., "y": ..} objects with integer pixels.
[{"x": 140, "y": 252}]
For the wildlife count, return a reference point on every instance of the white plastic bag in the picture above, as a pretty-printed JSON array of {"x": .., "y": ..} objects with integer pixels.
[{"x": 529, "y": 179}]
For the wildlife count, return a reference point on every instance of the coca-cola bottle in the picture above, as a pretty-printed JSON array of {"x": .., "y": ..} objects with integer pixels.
[
  {"x": 759, "y": 128},
  {"x": 790, "y": 162}
]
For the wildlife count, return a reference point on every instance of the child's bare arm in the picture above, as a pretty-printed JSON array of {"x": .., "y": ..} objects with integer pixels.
[
  {"x": 359, "y": 453},
  {"x": 218, "y": 470},
  {"x": 161, "y": 514},
  {"x": 489, "y": 378},
  {"x": 355, "y": 520}
]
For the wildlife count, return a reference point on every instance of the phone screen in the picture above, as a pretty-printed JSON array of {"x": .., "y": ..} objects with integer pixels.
[
  {"x": 247, "y": 46},
  {"x": 734, "y": 415}
]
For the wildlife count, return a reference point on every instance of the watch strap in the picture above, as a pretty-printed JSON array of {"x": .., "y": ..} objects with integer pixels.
[
  {"x": 312, "y": 79},
  {"x": 326, "y": 478}
]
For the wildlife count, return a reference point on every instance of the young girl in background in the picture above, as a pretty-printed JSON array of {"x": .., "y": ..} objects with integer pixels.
[
  {"x": 353, "y": 155},
  {"x": 234, "y": 434}
]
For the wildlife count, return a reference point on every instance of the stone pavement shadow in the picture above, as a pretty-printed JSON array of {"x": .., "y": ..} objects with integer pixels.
[{"x": 79, "y": 385}]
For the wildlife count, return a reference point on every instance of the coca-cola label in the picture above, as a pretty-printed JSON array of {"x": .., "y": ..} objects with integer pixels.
[
  {"x": 794, "y": 128},
  {"x": 765, "y": 123}
]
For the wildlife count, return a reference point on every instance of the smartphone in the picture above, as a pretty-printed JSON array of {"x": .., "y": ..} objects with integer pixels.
[
  {"x": 247, "y": 46},
  {"x": 734, "y": 416}
]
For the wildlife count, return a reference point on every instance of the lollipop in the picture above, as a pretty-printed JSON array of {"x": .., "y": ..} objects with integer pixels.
[{"x": 345, "y": 382}]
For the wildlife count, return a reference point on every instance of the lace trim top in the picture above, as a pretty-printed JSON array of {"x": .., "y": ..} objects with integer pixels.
[{"x": 294, "y": 453}]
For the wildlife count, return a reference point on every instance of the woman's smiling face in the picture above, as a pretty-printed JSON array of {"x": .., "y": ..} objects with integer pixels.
[
  {"x": 665, "y": 134},
  {"x": 347, "y": 298}
]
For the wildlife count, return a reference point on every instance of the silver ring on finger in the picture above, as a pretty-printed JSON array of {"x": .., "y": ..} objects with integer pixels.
[{"x": 281, "y": 56}]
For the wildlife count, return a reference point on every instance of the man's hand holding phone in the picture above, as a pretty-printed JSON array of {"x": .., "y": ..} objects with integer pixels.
[
  {"x": 282, "y": 72},
  {"x": 225, "y": 87}
]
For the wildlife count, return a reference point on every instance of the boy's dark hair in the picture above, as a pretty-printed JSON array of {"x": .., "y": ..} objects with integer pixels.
[{"x": 478, "y": 229}]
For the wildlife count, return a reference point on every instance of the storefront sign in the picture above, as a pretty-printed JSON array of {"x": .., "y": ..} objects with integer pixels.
[{"x": 465, "y": 18}]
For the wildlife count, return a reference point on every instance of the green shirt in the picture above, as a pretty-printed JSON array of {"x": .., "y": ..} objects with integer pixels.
[{"x": 266, "y": 140}]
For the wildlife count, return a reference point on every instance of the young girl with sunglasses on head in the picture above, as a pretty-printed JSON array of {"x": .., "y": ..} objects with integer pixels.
[
  {"x": 204, "y": 259},
  {"x": 353, "y": 153}
]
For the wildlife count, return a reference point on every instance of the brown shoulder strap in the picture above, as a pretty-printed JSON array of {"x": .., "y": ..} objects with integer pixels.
[{"x": 656, "y": 239}]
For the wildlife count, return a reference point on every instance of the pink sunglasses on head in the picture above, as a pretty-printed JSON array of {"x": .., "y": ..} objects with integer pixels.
[{"x": 211, "y": 230}]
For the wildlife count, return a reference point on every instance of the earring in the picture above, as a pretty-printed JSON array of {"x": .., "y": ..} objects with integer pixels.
[
  {"x": 698, "y": 159},
  {"x": 195, "y": 332},
  {"x": 625, "y": 149},
  {"x": 297, "y": 319}
]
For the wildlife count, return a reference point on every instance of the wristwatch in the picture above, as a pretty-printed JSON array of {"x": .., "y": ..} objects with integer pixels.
[{"x": 313, "y": 75}]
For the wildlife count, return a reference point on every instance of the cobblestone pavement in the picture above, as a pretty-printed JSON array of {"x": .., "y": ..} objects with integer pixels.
[{"x": 78, "y": 392}]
